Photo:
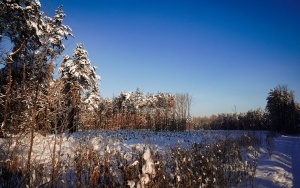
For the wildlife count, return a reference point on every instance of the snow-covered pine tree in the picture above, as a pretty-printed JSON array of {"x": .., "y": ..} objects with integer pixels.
[
  {"x": 55, "y": 33},
  {"x": 105, "y": 109},
  {"x": 80, "y": 84},
  {"x": 16, "y": 18},
  {"x": 35, "y": 41}
]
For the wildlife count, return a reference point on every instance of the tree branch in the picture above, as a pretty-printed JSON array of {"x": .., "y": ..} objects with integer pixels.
[{"x": 10, "y": 60}]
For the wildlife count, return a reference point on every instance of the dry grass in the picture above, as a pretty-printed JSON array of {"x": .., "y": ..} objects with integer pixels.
[{"x": 219, "y": 164}]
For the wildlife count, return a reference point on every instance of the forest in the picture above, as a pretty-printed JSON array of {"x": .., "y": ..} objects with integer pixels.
[
  {"x": 33, "y": 102},
  {"x": 32, "y": 99}
]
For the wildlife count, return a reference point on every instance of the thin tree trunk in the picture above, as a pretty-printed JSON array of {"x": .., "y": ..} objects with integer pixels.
[
  {"x": 32, "y": 129},
  {"x": 7, "y": 96}
]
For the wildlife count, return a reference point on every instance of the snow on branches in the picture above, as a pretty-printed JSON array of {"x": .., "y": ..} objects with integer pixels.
[
  {"x": 23, "y": 20},
  {"x": 78, "y": 70}
]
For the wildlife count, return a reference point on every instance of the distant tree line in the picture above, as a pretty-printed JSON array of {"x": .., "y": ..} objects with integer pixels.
[
  {"x": 282, "y": 114},
  {"x": 130, "y": 110},
  {"x": 251, "y": 120},
  {"x": 136, "y": 110}
]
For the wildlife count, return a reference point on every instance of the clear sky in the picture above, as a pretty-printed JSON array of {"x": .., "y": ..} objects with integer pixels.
[{"x": 223, "y": 53}]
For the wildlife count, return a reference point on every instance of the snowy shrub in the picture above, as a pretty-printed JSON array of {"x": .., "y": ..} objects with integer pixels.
[
  {"x": 216, "y": 165},
  {"x": 95, "y": 159}
]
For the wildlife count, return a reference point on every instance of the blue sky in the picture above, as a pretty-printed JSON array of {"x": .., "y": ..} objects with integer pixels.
[{"x": 223, "y": 53}]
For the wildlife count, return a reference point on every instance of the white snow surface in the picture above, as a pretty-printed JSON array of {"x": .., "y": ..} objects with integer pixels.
[
  {"x": 282, "y": 167},
  {"x": 278, "y": 168}
]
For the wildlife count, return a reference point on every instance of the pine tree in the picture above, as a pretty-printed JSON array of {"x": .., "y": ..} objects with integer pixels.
[
  {"x": 80, "y": 84},
  {"x": 281, "y": 109},
  {"x": 36, "y": 41}
]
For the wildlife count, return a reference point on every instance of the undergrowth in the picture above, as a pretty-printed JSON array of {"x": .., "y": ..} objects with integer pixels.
[{"x": 225, "y": 162}]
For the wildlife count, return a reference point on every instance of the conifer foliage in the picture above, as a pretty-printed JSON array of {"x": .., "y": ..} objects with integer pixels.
[
  {"x": 35, "y": 42},
  {"x": 79, "y": 69},
  {"x": 282, "y": 110},
  {"x": 80, "y": 84}
]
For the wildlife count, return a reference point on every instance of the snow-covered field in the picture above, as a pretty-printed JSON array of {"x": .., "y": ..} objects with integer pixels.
[
  {"x": 278, "y": 162},
  {"x": 282, "y": 167}
]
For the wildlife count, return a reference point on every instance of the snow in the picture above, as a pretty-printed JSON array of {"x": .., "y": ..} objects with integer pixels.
[
  {"x": 278, "y": 162},
  {"x": 148, "y": 168},
  {"x": 78, "y": 69},
  {"x": 282, "y": 167}
]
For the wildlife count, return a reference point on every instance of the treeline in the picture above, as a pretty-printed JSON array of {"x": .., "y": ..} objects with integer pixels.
[
  {"x": 32, "y": 100},
  {"x": 251, "y": 120},
  {"x": 128, "y": 110},
  {"x": 282, "y": 114},
  {"x": 136, "y": 110}
]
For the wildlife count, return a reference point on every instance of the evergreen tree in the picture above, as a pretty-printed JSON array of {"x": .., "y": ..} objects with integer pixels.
[
  {"x": 80, "y": 84},
  {"x": 36, "y": 41},
  {"x": 281, "y": 109}
]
